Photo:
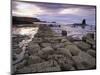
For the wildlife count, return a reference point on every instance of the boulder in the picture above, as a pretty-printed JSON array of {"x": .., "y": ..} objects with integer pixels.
[
  {"x": 67, "y": 43},
  {"x": 90, "y": 41},
  {"x": 58, "y": 45},
  {"x": 64, "y": 51},
  {"x": 46, "y": 66},
  {"x": 64, "y": 40},
  {"x": 94, "y": 46},
  {"x": 17, "y": 50},
  {"x": 84, "y": 46},
  {"x": 45, "y": 45},
  {"x": 27, "y": 69},
  {"x": 37, "y": 40},
  {"x": 74, "y": 50},
  {"x": 14, "y": 58},
  {"x": 20, "y": 65},
  {"x": 34, "y": 60},
  {"x": 92, "y": 52},
  {"x": 65, "y": 63},
  {"x": 47, "y": 50},
  {"x": 72, "y": 68},
  {"x": 26, "y": 56},
  {"x": 89, "y": 38},
  {"x": 84, "y": 61},
  {"x": 50, "y": 69},
  {"x": 33, "y": 48}
]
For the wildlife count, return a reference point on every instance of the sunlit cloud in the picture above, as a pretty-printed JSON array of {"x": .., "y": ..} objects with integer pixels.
[
  {"x": 78, "y": 11},
  {"x": 69, "y": 11}
]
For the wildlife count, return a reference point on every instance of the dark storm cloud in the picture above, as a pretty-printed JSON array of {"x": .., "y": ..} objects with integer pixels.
[
  {"x": 55, "y": 12},
  {"x": 55, "y": 6}
]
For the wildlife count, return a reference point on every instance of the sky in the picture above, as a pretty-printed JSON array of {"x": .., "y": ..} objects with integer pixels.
[{"x": 50, "y": 12}]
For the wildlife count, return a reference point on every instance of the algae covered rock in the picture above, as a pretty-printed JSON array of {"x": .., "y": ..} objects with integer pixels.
[
  {"x": 45, "y": 45},
  {"x": 84, "y": 46},
  {"x": 58, "y": 45},
  {"x": 64, "y": 62},
  {"x": 17, "y": 50},
  {"x": 64, "y": 51},
  {"x": 74, "y": 50},
  {"x": 92, "y": 52},
  {"x": 47, "y": 50},
  {"x": 84, "y": 61},
  {"x": 33, "y": 48},
  {"x": 47, "y": 66},
  {"x": 34, "y": 59}
]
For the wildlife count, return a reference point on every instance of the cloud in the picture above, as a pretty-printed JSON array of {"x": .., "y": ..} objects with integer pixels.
[
  {"x": 54, "y": 11},
  {"x": 26, "y": 9}
]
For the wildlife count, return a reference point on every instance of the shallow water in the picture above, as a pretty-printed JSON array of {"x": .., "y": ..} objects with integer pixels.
[
  {"x": 75, "y": 32},
  {"x": 29, "y": 31}
]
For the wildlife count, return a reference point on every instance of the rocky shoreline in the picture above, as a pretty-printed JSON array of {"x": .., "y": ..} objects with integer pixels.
[{"x": 49, "y": 53}]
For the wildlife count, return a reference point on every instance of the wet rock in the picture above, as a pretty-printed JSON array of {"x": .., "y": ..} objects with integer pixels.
[
  {"x": 92, "y": 52},
  {"x": 17, "y": 50},
  {"x": 70, "y": 38},
  {"x": 80, "y": 66},
  {"x": 47, "y": 66},
  {"x": 84, "y": 46},
  {"x": 52, "y": 66},
  {"x": 47, "y": 50},
  {"x": 41, "y": 54},
  {"x": 65, "y": 63},
  {"x": 50, "y": 69},
  {"x": 45, "y": 45},
  {"x": 90, "y": 41},
  {"x": 74, "y": 50},
  {"x": 84, "y": 61},
  {"x": 72, "y": 68},
  {"x": 64, "y": 51},
  {"x": 94, "y": 46},
  {"x": 20, "y": 65},
  {"x": 37, "y": 40},
  {"x": 14, "y": 57},
  {"x": 26, "y": 56},
  {"x": 64, "y": 40},
  {"x": 89, "y": 38},
  {"x": 28, "y": 69},
  {"x": 33, "y": 48},
  {"x": 34, "y": 60},
  {"x": 58, "y": 45},
  {"x": 67, "y": 43},
  {"x": 15, "y": 45},
  {"x": 64, "y": 33}
]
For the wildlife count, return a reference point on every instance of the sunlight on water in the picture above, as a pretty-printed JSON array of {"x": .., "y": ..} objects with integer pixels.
[
  {"x": 25, "y": 30},
  {"x": 29, "y": 31}
]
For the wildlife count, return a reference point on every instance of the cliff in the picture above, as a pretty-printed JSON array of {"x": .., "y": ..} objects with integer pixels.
[{"x": 23, "y": 20}]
